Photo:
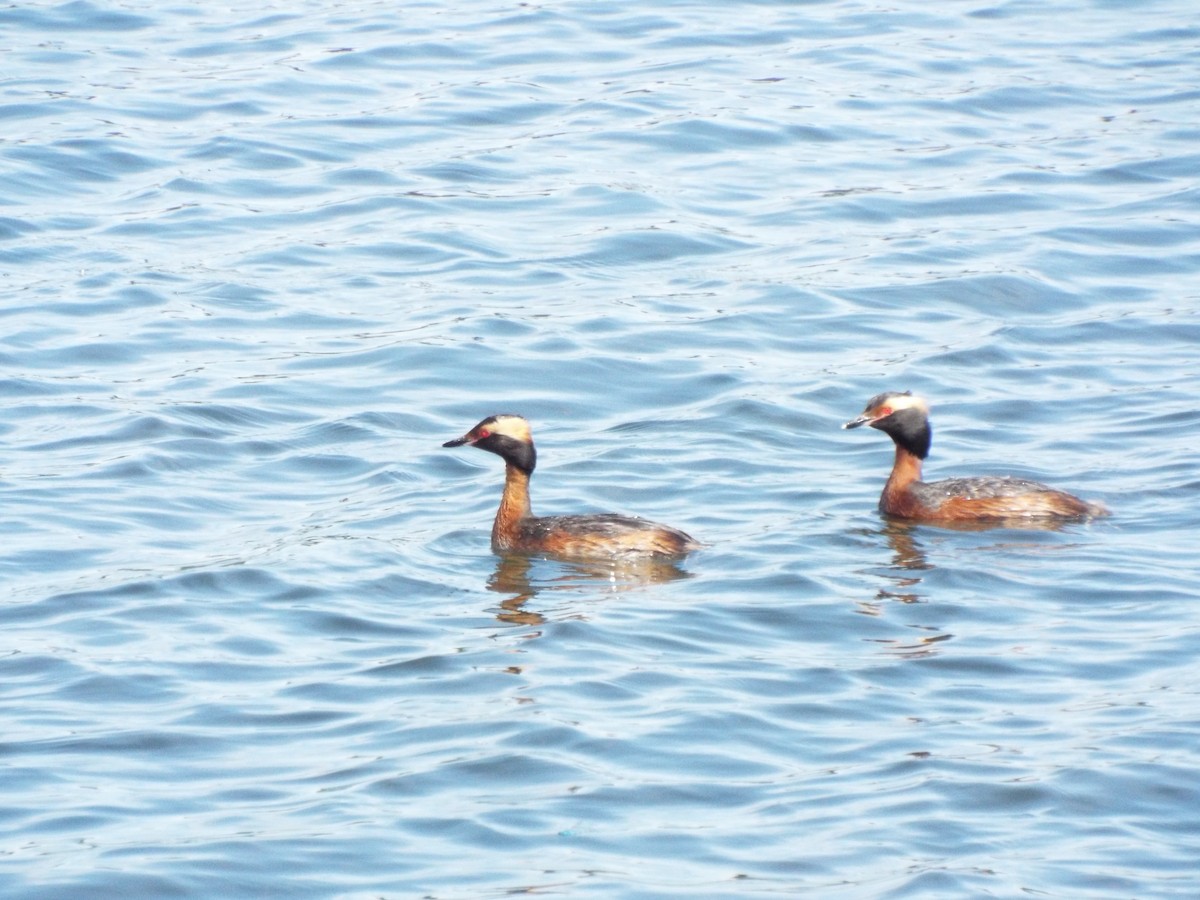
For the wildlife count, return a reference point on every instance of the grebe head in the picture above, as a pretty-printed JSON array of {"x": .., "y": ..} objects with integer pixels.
[
  {"x": 506, "y": 435},
  {"x": 902, "y": 416}
]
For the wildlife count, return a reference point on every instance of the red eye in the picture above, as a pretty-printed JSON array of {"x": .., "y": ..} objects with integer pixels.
[
  {"x": 483, "y": 433},
  {"x": 886, "y": 411}
]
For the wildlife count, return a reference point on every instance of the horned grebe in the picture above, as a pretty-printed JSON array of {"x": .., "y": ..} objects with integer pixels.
[
  {"x": 905, "y": 419},
  {"x": 517, "y": 530}
]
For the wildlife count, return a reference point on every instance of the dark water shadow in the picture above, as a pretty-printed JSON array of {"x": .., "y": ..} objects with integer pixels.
[{"x": 519, "y": 577}]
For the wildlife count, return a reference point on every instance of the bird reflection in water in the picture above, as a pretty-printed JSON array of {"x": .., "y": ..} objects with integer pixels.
[
  {"x": 514, "y": 576},
  {"x": 909, "y": 560},
  {"x": 903, "y": 579},
  {"x": 903, "y": 575}
]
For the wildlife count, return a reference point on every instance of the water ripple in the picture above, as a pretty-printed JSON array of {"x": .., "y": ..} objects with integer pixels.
[{"x": 259, "y": 266}]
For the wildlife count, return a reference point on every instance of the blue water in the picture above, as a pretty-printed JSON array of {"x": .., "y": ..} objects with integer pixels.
[{"x": 255, "y": 267}]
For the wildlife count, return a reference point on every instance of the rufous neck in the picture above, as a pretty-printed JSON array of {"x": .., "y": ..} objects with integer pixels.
[
  {"x": 514, "y": 504},
  {"x": 905, "y": 470}
]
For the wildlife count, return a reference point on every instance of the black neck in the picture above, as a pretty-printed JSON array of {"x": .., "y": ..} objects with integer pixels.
[
  {"x": 519, "y": 453},
  {"x": 910, "y": 429}
]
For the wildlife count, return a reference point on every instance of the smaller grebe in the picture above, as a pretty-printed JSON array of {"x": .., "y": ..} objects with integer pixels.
[
  {"x": 517, "y": 530},
  {"x": 905, "y": 419}
]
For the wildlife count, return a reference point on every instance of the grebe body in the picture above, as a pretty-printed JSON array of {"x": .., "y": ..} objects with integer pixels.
[
  {"x": 905, "y": 419},
  {"x": 587, "y": 537}
]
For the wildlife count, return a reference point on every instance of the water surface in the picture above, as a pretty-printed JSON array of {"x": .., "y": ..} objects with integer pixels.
[{"x": 255, "y": 267}]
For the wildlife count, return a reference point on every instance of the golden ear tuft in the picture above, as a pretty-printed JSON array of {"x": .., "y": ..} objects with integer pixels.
[{"x": 510, "y": 425}]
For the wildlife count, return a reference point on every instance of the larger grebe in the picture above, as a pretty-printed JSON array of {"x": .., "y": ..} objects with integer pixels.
[
  {"x": 595, "y": 537},
  {"x": 905, "y": 419}
]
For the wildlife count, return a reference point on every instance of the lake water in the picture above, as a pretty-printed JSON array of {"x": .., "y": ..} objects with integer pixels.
[{"x": 256, "y": 266}]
